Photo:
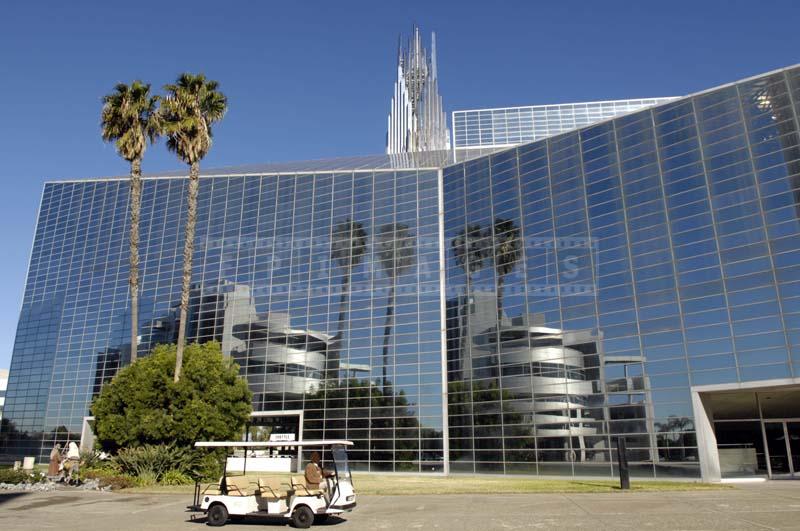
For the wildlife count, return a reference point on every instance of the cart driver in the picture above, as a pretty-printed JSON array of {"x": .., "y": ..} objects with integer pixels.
[{"x": 315, "y": 474}]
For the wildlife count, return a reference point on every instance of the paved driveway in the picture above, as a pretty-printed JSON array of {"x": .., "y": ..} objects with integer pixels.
[{"x": 774, "y": 505}]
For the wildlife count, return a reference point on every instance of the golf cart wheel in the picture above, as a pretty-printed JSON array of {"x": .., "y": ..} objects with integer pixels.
[
  {"x": 302, "y": 517},
  {"x": 217, "y": 515}
]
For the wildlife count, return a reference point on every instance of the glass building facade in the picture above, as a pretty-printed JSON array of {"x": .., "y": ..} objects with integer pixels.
[
  {"x": 509, "y": 126},
  {"x": 514, "y": 313}
]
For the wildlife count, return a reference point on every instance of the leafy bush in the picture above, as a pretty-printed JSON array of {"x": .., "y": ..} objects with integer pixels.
[
  {"x": 9, "y": 475},
  {"x": 142, "y": 405},
  {"x": 209, "y": 465},
  {"x": 175, "y": 477},
  {"x": 146, "y": 479},
  {"x": 91, "y": 459},
  {"x": 156, "y": 460},
  {"x": 149, "y": 460},
  {"x": 107, "y": 478}
]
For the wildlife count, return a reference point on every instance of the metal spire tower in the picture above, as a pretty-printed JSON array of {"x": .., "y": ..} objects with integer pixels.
[{"x": 417, "y": 121}]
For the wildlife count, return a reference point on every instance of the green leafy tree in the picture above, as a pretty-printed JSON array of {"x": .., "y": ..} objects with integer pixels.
[
  {"x": 189, "y": 109},
  {"x": 129, "y": 119},
  {"x": 144, "y": 405}
]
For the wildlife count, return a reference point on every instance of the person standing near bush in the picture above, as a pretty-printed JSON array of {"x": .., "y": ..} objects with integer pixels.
[
  {"x": 72, "y": 464},
  {"x": 55, "y": 461}
]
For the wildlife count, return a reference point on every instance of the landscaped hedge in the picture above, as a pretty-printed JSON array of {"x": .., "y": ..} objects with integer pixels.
[{"x": 9, "y": 475}]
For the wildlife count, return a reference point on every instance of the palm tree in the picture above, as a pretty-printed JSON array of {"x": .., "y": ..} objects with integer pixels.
[
  {"x": 471, "y": 250},
  {"x": 188, "y": 110},
  {"x": 396, "y": 254},
  {"x": 129, "y": 119},
  {"x": 507, "y": 253},
  {"x": 348, "y": 245}
]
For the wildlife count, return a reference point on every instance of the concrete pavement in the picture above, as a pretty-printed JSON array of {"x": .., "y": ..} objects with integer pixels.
[{"x": 772, "y": 505}]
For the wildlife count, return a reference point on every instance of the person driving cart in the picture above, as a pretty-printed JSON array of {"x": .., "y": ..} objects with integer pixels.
[
  {"x": 303, "y": 499},
  {"x": 315, "y": 474}
]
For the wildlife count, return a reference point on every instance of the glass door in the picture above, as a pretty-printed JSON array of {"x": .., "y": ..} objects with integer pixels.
[
  {"x": 793, "y": 438},
  {"x": 775, "y": 434}
]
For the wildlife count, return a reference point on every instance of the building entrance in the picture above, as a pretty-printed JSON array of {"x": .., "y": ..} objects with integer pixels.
[
  {"x": 783, "y": 446},
  {"x": 749, "y": 432},
  {"x": 275, "y": 426}
]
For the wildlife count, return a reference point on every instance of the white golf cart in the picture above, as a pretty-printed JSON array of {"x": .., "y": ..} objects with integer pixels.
[{"x": 238, "y": 495}]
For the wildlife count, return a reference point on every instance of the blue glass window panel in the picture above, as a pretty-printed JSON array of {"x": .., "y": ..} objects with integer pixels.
[
  {"x": 723, "y": 361},
  {"x": 714, "y": 377},
  {"x": 765, "y": 372},
  {"x": 764, "y": 356}
]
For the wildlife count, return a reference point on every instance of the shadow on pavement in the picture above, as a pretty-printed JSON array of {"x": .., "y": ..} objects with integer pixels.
[
  {"x": 590, "y": 484},
  {"x": 271, "y": 520},
  {"x": 6, "y": 497}
]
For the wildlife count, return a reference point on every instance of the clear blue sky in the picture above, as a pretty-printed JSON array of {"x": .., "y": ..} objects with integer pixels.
[{"x": 313, "y": 80}]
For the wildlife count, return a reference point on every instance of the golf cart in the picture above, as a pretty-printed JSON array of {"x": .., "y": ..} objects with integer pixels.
[{"x": 238, "y": 495}]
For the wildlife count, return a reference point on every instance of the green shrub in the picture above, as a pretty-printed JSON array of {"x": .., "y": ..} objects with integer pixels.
[
  {"x": 109, "y": 478},
  {"x": 157, "y": 459},
  {"x": 146, "y": 479},
  {"x": 148, "y": 460},
  {"x": 9, "y": 475},
  {"x": 142, "y": 404},
  {"x": 210, "y": 465},
  {"x": 101, "y": 467},
  {"x": 117, "y": 482},
  {"x": 91, "y": 459},
  {"x": 175, "y": 477}
]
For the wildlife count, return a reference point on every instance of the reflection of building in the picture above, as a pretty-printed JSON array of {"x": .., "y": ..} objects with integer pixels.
[
  {"x": 277, "y": 359},
  {"x": 108, "y": 363},
  {"x": 217, "y": 309},
  {"x": 554, "y": 379},
  {"x": 636, "y": 277},
  {"x": 3, "y": 385},
  {"x": 281, "y": 360}
]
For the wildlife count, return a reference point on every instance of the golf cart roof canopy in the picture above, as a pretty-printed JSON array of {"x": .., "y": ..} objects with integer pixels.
[{"x": 271, "y": 444}]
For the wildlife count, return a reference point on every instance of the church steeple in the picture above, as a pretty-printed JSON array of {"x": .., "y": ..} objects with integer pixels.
[{"x": 416, "y": 120}]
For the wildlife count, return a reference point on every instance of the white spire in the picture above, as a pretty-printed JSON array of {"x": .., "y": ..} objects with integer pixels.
[{"x": 416, "y": 120}]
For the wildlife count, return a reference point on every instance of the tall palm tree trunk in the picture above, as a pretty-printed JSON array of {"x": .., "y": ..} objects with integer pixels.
[
  {"x": 387, "y": 330},
  {"x": 333, "y": 361},
  {"x": 188, "y": 251},
  {"x": 465, "y": 342},
  {"x": 133, "y": 279},
  {"x": 500, "y": 282}
]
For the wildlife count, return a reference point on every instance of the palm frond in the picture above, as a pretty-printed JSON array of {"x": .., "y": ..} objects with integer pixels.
[
  {"x": 187, "y": 111},
  {"x": 129, "y": 119}
]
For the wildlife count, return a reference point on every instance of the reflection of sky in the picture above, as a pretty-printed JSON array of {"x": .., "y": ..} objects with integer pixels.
[{"x": 671, "y": 234}]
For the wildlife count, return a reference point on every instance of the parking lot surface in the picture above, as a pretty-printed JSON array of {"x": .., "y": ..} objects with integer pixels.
[{"x": 772, "y": 505}]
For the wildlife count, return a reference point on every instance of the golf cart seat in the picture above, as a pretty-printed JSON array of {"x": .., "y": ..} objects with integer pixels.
[
  {"x": 238, "y": 485},
  {"x": 300, "y": 485},
  {"x": 271, "y": 488}
]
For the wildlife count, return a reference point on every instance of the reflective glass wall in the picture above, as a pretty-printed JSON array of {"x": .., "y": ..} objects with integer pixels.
[
  {"x": 508, "y": 126},
  {"x": 324, "y": 287},
  {"x": 589, "y": 280},
  {"x": 595, "y": 276}
]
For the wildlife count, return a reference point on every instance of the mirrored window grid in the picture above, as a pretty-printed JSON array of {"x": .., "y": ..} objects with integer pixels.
[
  {"x": 509, "y": 126},
  {"x": 588, "y": 280}
]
